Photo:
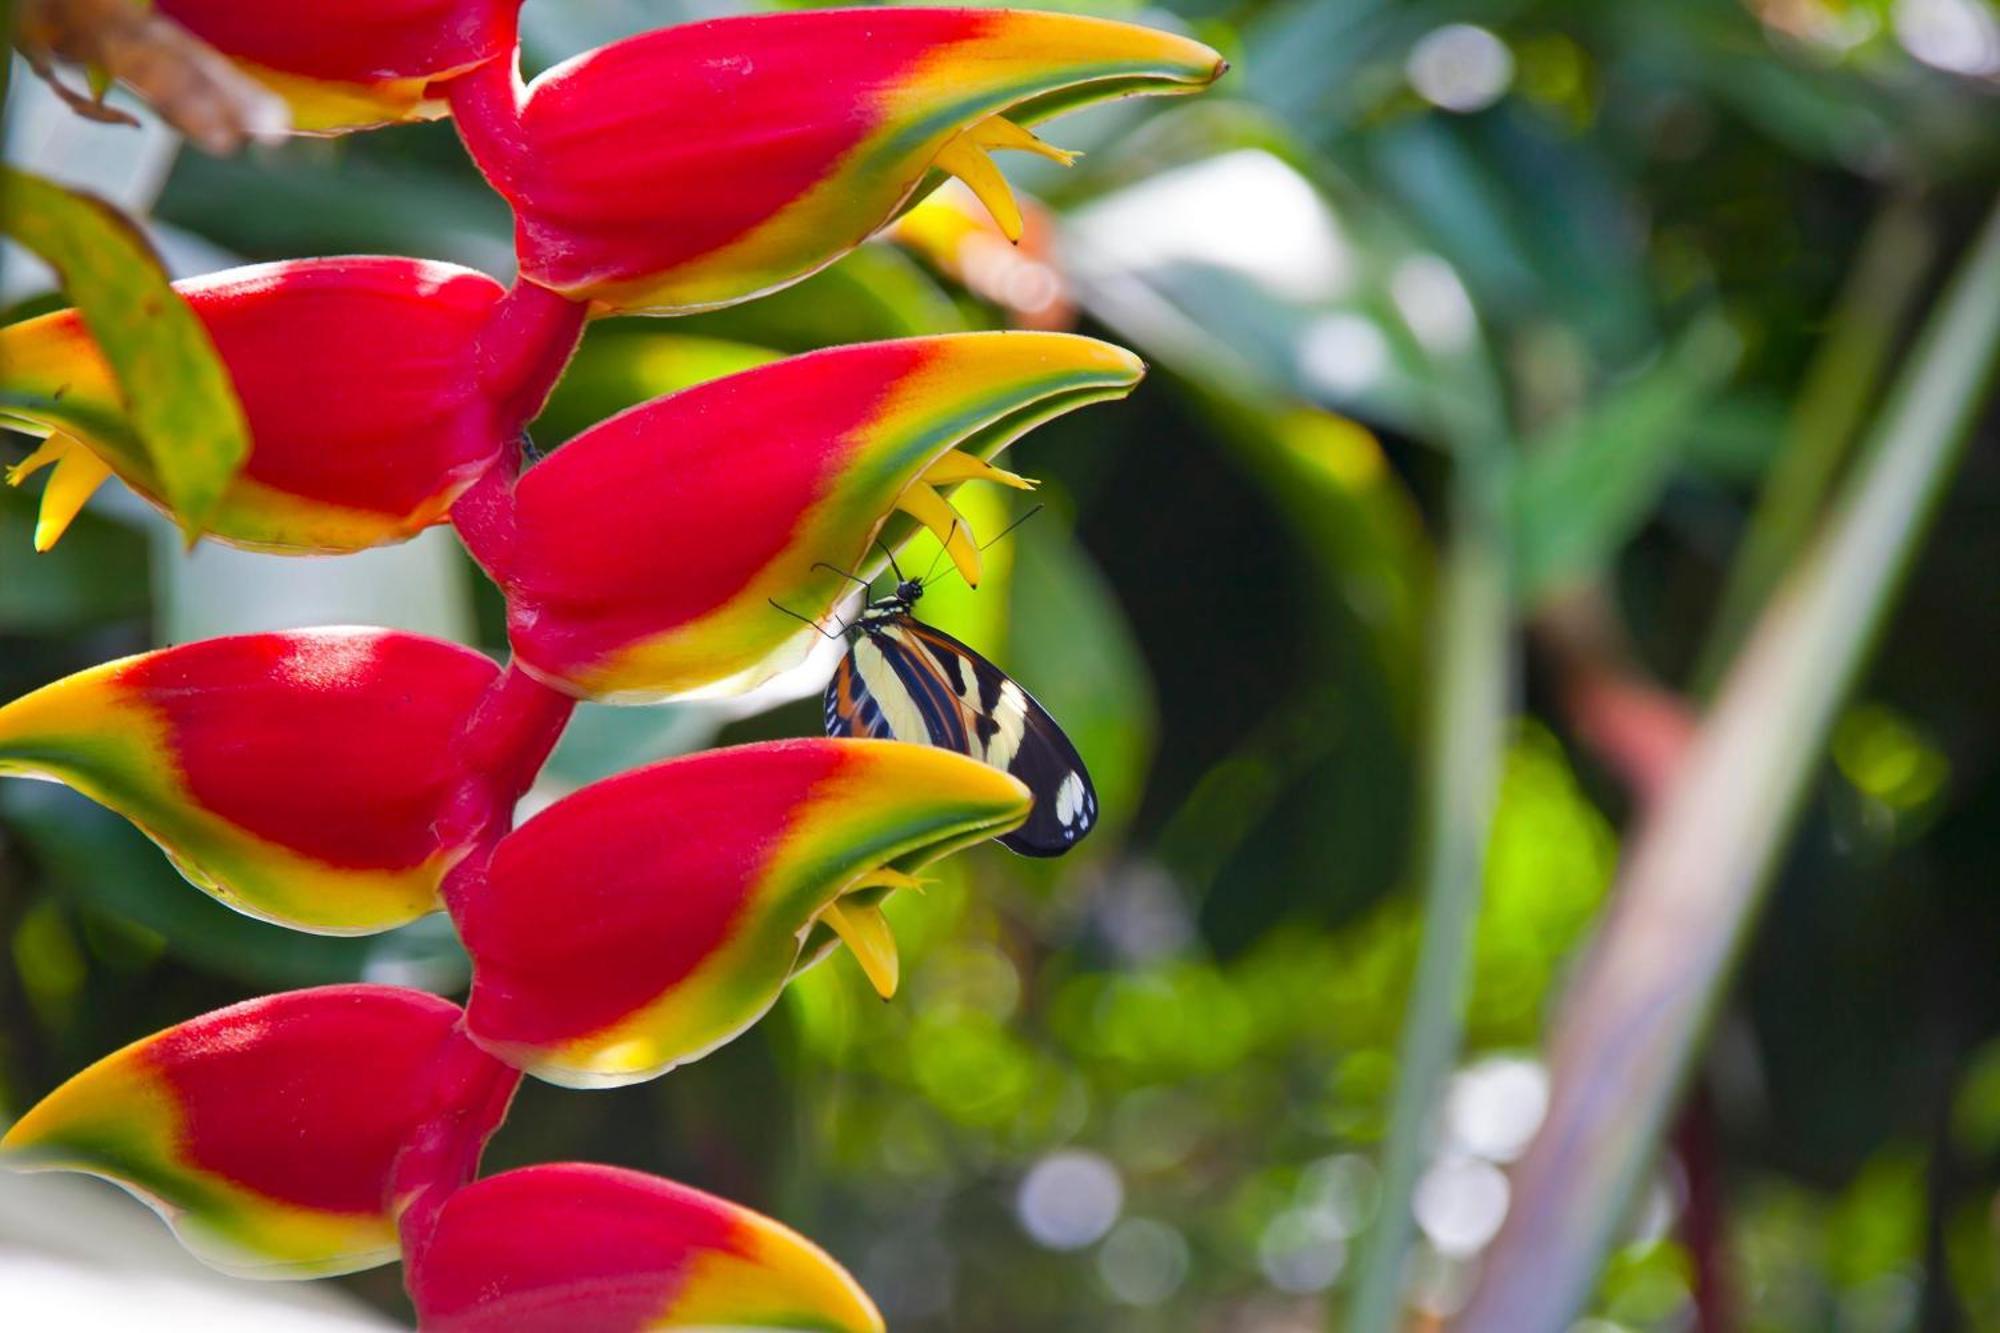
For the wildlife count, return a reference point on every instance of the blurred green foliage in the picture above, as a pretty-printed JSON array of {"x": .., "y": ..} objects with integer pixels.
[{"x": 1623, "y": 258}]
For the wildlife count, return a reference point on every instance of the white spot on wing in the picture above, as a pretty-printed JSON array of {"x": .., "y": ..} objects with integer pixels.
[
  {"x": 1069, "y": 800},
  {"x": 1010, "y": 719}
]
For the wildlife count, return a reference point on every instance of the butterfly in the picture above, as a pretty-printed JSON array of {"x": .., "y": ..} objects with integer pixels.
[{"x": 904, "y": 680}]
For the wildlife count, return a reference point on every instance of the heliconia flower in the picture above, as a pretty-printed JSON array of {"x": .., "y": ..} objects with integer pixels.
[
  {"x": 281, "y": 1137},
  {"x": 348, "y": 64},
  {"x": 376, "y": 390},
  {"x": 705, "y": 164},
  {"x": 575, "y": 1248},
  {"x": 314, "y": 778},
  {"x": 643, "y": 559},
  {"x": 650, "y": 918}
]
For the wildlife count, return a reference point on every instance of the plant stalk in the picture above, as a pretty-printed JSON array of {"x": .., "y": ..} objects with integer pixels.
[
  {"x": 1470, "y": 689},
  {"x": 1870, "y": 314}
]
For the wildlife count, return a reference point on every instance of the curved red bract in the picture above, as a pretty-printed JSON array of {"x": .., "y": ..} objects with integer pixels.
[
  {"x": 662, "y": 513},
  {"x": 618, "y": 136},
  {"x": 358, "y": 376},
  {"x": 608, "y": 898},
  {"x": 532, "y": 1251},
  {"x": 572, "y": 1247},
  {"x": 344, "y": 1069},
  {"x": 335, "y": 746}
]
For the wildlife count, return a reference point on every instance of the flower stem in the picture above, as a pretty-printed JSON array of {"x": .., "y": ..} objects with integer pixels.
[
  {"x": 1867, "y": 321},
  {"x": 1470, "y": 687},
  {"x": 503, "y": 746},
  {"x": 486, "y": 106},
  {"x": 469, "y": 1092},
  {"x": 526, "y": 345}
]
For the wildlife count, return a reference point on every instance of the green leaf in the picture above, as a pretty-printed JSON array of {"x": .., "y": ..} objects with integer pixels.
[
  {"x": 183, "y": 406},
  {"x": 1583, "y": 489},
  {"x": 96, "y": 574}
]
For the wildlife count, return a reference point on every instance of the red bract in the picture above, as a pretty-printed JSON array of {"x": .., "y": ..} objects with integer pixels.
[
  {"x": 643, "y": 559},
  {"x": 572, "y": 1248},
  {"x": 325, "y": 779},
  {"x": 346, "y": 64},
  {"x": 652, "y": 917},
  {"x": 705, "y": 164},
  {"x": 282, "y": 1137},
  {"x": 376, "y": 391}
]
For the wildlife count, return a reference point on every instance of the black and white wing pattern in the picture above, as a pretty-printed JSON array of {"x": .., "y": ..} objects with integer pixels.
[{"x": 904, "y": 680}]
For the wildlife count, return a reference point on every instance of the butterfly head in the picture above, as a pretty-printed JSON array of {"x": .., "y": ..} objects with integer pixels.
[{"x": 896, "y": 604}]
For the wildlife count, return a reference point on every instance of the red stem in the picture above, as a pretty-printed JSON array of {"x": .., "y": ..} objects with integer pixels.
[
  {"x": 526, "y": 345},
  {"x": 499, "y": 752},
  {"x": 486, "y": 104},
  {"x": 470, "y": 1093},
  {"x": 1702, "y": 1221}
]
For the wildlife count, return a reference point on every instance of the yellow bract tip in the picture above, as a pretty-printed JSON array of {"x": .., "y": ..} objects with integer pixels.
[
  {"x": 964, "y": 156},
  {"x": 957, "y": 466},
  {"x": 865, "y": 931},
  {"x": 1000, "y": 132},
  {"x": 886, "y": 878},
  {"x": 929, "y": 508},
  {"x": 78, "y": 473},
  {"x": 48, "y": 452}
]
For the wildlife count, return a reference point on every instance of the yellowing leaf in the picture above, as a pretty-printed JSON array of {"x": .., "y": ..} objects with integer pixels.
[{"x": 181, "y": 401}]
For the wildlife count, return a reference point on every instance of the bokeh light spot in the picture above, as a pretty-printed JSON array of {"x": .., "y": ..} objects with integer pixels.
[
  {"x": 1069, "y": 1200},
  {"x": 1461, "y": 67}
]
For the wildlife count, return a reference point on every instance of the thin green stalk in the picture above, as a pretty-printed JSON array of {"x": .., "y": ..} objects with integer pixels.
[
  {"x": 1846, "y": 373},
  {"x": 1696, "y": 872},
  {"x": 1470, "y": 691}
]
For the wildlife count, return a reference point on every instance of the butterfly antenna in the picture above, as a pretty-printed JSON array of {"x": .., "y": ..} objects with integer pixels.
[
  {"x": 824, "y": 633},
  {"x": 836, "y": 569},
  {"x": 943, "y": 549},
  {"x": 896, "y": 568},
  {"x": 989, "y": 545},
  {"x": 1011, "y": 526}
]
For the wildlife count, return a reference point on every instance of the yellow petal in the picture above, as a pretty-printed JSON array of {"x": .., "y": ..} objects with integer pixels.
[
  {"x": 964, "y": 158},
  {"x": 79, "y": 473},
  {"x": 863, "y": 929},
  {"x": 885, "y": 878},
  {"x": 49, "y": 451},
  {"x": 1000, "y": 132},
  {"x": 958, "y": 466},
  {"x": 930, "y": 509}
]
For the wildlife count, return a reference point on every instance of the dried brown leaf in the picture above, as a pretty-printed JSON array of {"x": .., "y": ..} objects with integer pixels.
[{"x": 194, "y": 87}]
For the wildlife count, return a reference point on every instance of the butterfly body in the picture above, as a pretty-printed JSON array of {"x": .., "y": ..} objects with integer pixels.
[{"x": 904, "y": 680}]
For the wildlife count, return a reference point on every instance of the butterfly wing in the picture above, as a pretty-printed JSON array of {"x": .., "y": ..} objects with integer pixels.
[
  {"x": 924, "y": 685},
  {"x": 850, "y": 709}
]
